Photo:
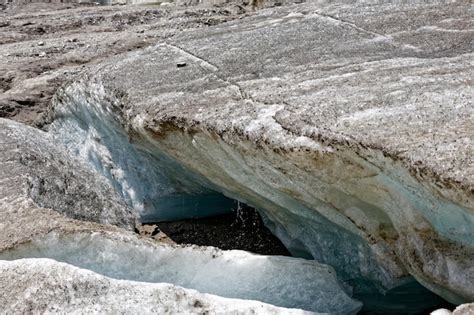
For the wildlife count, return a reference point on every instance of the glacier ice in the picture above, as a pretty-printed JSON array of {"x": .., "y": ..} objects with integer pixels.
[
  {"x": 372, "y": 268},
  {"x": 396, "y": 217},
  {"x": 156, "y": 186},
  {"x": 281, "y": 281},
  {"x": 148, "y": 179},
  {"x": 47, "y": 286},
  {"x": 36, "y": 170}
]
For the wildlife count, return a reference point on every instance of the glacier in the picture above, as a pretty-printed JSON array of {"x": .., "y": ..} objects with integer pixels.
[
  {"x": 305, "y": 233},
  {"x": 347, "y": 125},
  {"x": 39, "y": 173}
]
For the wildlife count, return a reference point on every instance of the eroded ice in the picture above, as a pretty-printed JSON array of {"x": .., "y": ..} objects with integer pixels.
[{"x": 281, "y": 281}]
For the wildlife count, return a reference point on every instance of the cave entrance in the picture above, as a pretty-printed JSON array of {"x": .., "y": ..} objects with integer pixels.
[
  {"x": 241, "y": 228},
  {"x": 237, "y": 226}
]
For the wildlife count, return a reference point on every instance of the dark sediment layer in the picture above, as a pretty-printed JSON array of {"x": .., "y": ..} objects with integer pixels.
[{"x": 242, "y": 229}]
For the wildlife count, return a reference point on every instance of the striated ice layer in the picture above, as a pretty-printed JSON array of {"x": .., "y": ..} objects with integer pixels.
[
  {"x": 37, "y": 173},
  {"x": 277, "y": 280},
  {"x": 159, "y": 188}
]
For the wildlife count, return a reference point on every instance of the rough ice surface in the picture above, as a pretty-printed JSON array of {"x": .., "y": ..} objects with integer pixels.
[
  {"x": 153, "y": 184},
  {"x": 324, "y": 234},
  {"x": 47, "y": 286},
  {"x": 37, "y": 172},
  {"x": 277, "y": 280}
]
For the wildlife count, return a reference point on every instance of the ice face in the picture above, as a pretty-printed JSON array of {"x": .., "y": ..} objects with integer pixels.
[
  {"x": 277, "y": 280},
  {"x": 373, "y": 222},
  {"x": 156, "y": 186}
]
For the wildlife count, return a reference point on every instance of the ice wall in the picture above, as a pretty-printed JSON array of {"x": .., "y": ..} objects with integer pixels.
[{"x": 159, "y": 188}]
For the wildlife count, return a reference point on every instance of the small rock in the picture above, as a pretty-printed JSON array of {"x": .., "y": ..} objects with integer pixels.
[
  {"x": 42, "y": 54},
  {"x": 148, "y": 230},
  {"x": 41, "y": 43},
  {"x": 40, "y": 30},
  {"x": 181, "y": 64}
]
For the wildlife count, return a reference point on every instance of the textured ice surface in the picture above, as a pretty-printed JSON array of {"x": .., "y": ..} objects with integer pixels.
[
  {"x": 46, "y": 286},
  {"x": 335, "y": 207},
  {"x": 313, "y": 206},
  {"x": 157, "y": 187},
  {"x": 277, "y": 280},
  {"x": 37, "y": 172}
]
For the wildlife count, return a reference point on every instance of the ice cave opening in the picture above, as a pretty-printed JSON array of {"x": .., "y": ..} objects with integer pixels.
[
  {"x": 164, "y": 192},
  {"x": 242, "y": 228},
  {"x": 245, "y": 228}
]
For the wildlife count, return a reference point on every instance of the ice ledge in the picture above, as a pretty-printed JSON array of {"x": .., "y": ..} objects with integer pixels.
[
  {"x": 54, "y": 287},
  {"x": 300, "y": 284}
]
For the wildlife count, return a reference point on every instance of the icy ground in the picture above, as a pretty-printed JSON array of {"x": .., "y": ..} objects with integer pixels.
[
  {"x": 277, "y": 280},
  {"x": 47, "y": 286}
]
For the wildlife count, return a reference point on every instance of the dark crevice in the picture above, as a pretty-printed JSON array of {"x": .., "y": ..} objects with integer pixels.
[{"x": 410, "y": 298}]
